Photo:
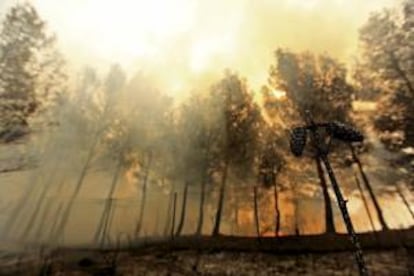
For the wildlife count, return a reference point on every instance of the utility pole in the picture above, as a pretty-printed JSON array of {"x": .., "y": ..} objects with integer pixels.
[{"x": 321, "y": 145}]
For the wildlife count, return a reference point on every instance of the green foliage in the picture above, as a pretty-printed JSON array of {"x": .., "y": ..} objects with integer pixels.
[
  {"x": 241, "y": 122},
  {"x": 220, "y": 128},
  {"x": 31, "y": 73},
  {"x": 197, "y": 133},
  {"x": 271, "y": 158},
  {"x": 387, "y": 55},
  {"x": 314, "y": 83},
  {"x": 138, "y": 118}
]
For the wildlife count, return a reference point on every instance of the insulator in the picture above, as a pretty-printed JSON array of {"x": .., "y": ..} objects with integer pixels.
[
  {"x": 344, "y": 132},
  {"x": 297, "y": 141}
]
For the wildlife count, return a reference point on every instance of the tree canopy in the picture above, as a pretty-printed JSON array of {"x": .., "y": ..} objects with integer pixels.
[
  {"x": 31, "y": 68},
  {"x": 387, "y": 58}
]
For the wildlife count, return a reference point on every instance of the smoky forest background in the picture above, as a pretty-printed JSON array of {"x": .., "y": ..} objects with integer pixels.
[{"x": 102, "y": 158}]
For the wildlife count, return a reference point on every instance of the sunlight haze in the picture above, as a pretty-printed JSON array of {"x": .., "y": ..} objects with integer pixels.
[{"x": 182, "y": 39}]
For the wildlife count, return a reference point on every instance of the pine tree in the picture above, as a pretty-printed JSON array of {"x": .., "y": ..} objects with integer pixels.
[
  {"x": 195, "y": 137},
  {"x": 241, "y": 124},
  {"x": 31, "y": 68},
  {"x": 387, "y": 56},
  {"x": 314, "y": 83}
]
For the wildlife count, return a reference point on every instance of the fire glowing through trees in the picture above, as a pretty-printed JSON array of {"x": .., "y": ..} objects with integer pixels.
[{"x": 139, "y": 157}]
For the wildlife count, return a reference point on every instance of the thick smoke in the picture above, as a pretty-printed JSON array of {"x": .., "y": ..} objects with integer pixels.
[
  {"x": 208, "y": 36},
  {"x": 115, "y": 140}
]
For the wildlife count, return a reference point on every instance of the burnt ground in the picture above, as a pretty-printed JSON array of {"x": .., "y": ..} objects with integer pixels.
[
  {"x": 192, "y": 262},
  {"x": 389, "y": 253}
]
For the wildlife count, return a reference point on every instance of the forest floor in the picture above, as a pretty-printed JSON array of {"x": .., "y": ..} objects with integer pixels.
[
  {"x": 192, "y": 262},
  {"x": 387, "y": 253}
]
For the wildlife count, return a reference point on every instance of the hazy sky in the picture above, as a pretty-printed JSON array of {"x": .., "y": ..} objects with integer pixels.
[{"x": 184, "y": 39}]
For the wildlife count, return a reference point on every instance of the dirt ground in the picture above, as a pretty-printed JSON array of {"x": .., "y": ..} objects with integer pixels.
[{"x": 190, "y": 262}]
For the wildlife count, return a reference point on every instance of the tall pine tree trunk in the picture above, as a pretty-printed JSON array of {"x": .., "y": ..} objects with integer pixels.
[
  {"x": 201, "y": 208},
  {"x": 168, "y": 213},
  {"x": 157, "y": 224},
  {"x": 216, "y": 228},
  {"x": 256, "y": 212},
  {"x": 57, "y": 219},
  {"x": 406, "y": 203},
  {"x": 277, "y": 210},
  {"x": 296, "y": 215},
  {"x": 48, "y": 208},
  {"x": 364, "y": 200},
  {"x": 329, "y": 218},
  {"x": 102, "y": 228},
  {"x": 173, "y": 215},
  {"x": 369, "y": 189},
  {"x": 79, "y": 183},
  {"x": 200, "y": 221},
  {"x": 40, "y": 203},
  {"x": 144, "y": 197},
  {"x": 236, "y": 214},
  {"x": 18, "y": 210},
  {"x": 183, "y": 211}
]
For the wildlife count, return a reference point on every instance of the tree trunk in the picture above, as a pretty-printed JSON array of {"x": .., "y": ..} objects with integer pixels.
[
  {"x": 256, "y": 212},
  {"x": 296, "y": 218},
  {"x": 168, "y": 213},
  {"x": 40, "y": 203},
  {"x": 36, "y": 210},
  {"x": 157, "y": 223},
  {"x": 406, "y": 203},
  {"x": 111, "y": 216},
  {"x": 236, "y": 214},
  {"x": 19, "y": 208},
  {"x": 364, "y": 200},
  {"x": 55, "y": 224},
  {"x": 329, "y": 218},
  {"x": 173, "y": 215},
  {"x": 203, "y": 192},
  {"x": 183, "y": 211},
  {"x": 216, "y": 229},
  {"x": 78, "y": 186},
  {"x": 101, "y": 231},
  {"x": 201, "y": 208},
  {"x": 369, "y": 189},
  {"x": 47, "y": 210},
  {"x": 144, "y": 197},
  {"x": 277, "y": 210}
]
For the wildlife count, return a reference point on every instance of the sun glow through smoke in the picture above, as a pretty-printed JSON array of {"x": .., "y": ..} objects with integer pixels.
[
  {"x": 278, "y": 93},
  {"x": 128, "y": 29},
  {"x": 186, "y": 38}
]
